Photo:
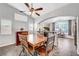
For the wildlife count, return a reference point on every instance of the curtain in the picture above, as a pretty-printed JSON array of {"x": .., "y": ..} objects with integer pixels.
[
  {"x": 69, "y": 25},
  {"x": 53, "y": 28}
]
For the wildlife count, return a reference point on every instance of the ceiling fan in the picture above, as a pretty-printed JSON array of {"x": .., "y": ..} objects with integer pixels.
[{"x": 32, "y": 9}]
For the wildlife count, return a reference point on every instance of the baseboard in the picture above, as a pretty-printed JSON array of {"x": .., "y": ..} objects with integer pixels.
[
  {"x": 77, "y": 51},
  {"x": 6, "y": 44}
]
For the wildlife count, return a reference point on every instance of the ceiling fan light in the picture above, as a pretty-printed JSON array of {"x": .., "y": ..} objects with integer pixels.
[{"x": 29, "y": 12}]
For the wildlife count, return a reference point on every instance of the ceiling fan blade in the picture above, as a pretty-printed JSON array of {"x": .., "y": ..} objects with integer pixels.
[
  {"x": 38, "y": 9},
  {"x": 27, "y": 5},
  {"x": 37, "y": 14},
  {"x": 22, "y": 11}
]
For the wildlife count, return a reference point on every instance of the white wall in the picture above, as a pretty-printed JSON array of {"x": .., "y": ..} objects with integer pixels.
[
  {"x": 8, "y": 12},
  {"x": 78, "y": 35}
]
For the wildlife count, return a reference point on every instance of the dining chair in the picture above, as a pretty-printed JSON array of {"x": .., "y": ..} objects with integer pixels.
[
  {"x": 24, "y": 43},
  {"x": 45, "y": 50}
]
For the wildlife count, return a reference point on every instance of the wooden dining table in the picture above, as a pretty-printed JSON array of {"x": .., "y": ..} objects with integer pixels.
[{"x": 38, "y": 41}]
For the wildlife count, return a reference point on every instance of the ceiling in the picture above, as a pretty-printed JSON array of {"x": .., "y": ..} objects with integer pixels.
[
  {"x": 47, "y": 7},
  {"x": 60, "y": 18}
]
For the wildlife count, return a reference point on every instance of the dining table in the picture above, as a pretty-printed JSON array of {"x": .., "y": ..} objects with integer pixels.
[{"x": 36, "y": 41}]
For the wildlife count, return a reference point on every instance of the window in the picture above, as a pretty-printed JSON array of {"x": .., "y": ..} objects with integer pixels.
[{"x": 61, "y": 26}]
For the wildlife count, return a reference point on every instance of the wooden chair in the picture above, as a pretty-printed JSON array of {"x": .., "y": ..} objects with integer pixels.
[
  {"x": 46, "y": 49},
  {"x": 24, "y": 43}
]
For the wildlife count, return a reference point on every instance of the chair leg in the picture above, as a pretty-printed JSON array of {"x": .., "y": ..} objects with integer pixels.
[
  {"x": 20, "y": 53},
  {"x": 35, "y": 53}
]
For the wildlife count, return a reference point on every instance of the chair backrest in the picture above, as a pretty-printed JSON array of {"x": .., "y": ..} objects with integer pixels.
[
  {"x": 50, "y": 42},
  {"x": 24, "y": 43},
  {"x": 23, "y": 40},
  {"x": 22, "y": 37}
]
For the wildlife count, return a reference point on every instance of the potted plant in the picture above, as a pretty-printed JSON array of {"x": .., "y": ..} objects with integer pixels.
[{"x": 46, "y": 29}]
